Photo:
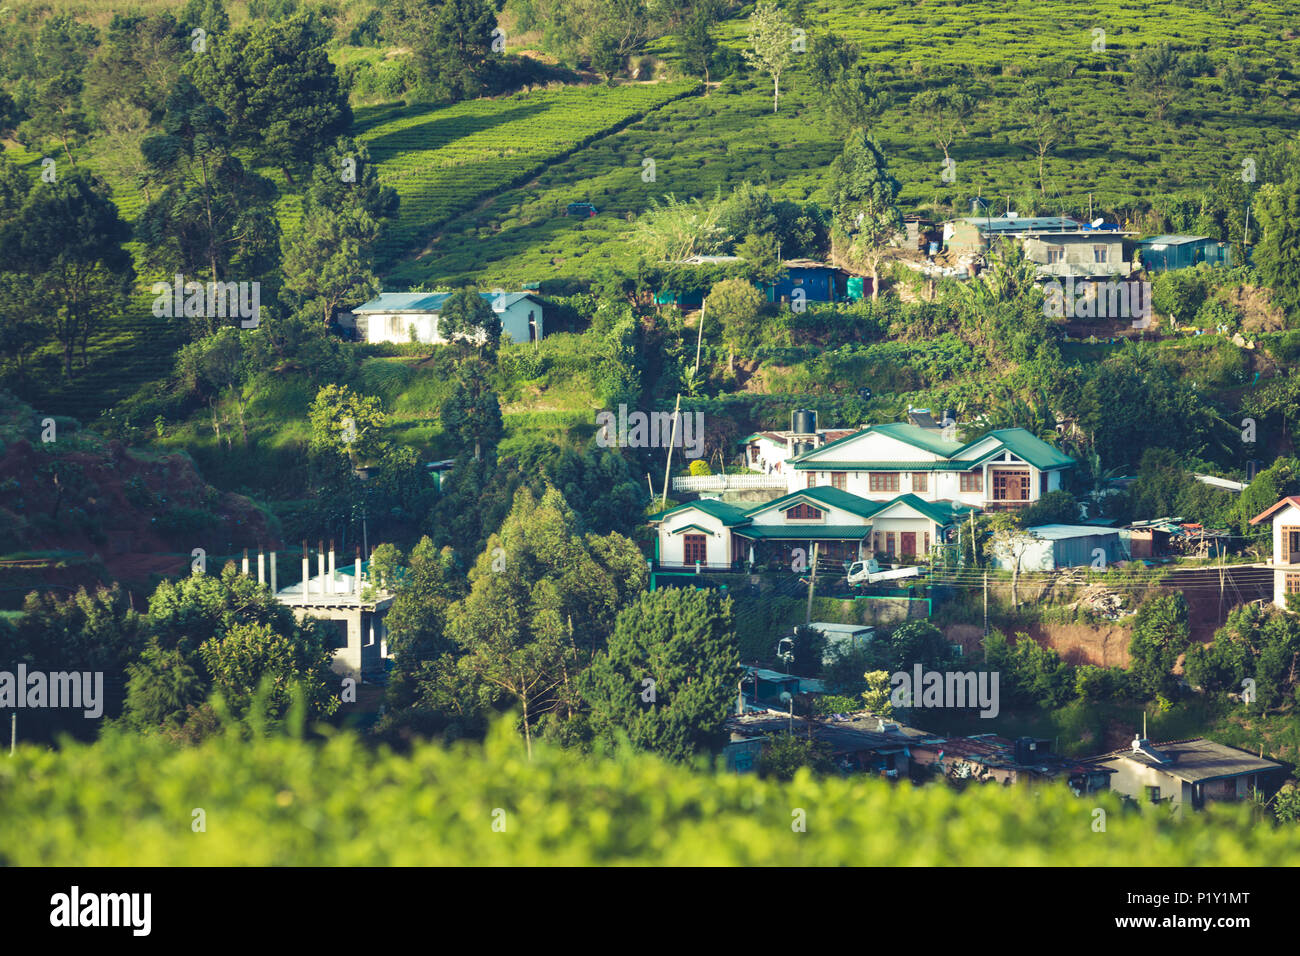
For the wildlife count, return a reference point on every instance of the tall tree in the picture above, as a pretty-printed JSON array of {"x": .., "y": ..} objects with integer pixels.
[
  {"x": 1277, "y": 255},
  {"x": 944, "y": 112},
  {"x": 864, "y": 196},
  {"x": 67, "y": 238},
  {"x": 1044, "y": 123},
  {"x": 278, "y": 88},
  {"x": 212, "y": 217},
  {"x": 543, "y": 598},
  {"x": 668, "y": 676},
  {"x": 771, "y": 44},
  {"x": 697, "y": 45},
  {"x": 471, "y": 415},
  {"x": 330, "y": 259},
  {"x": 450, "y": 39},
  {"x": 1160, "y": 76},
  {"x": 471, "y": 318}
]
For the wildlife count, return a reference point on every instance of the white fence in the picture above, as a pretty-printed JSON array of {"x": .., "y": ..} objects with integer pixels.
[{"x": 728, "y": 482}]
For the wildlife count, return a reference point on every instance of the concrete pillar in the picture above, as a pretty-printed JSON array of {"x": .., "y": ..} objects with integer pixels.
[
  {"x": 261, "y": 566},
  {"x": 273, "y": 572},
  {"x": 243, "y": 568},
  {"x": 357, "y": 585},
  {"x": 333, "y": 585},
  {"x": 306, "y": 571},
  {"x": 320, "y": 558}
]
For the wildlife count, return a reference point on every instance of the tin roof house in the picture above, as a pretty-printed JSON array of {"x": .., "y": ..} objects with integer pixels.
[
  {"x": 1184, "y": 773},
  {"x": 1160, "y": 253},
  {"x": 404, "y": 317}
]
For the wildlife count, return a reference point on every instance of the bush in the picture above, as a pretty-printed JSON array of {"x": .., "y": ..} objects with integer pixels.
[{"x": 126, "y": 800}]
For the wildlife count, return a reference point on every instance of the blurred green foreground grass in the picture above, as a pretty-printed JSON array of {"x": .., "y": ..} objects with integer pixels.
[{"x": 281, "y": 800}]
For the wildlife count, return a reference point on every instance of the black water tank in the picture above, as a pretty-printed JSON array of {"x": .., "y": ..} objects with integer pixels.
[
  {"x": 801, "y": 448},
  {"x": 803, "y": 421}
]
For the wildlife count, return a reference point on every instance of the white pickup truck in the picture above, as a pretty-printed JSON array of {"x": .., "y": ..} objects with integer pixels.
[{"x": 869, "y": 572}]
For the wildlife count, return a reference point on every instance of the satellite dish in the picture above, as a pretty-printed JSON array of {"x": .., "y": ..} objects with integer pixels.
[{"x": 1096, "y": 223}]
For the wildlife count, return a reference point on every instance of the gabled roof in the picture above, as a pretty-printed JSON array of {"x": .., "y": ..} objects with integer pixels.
[
  {"x": 433, "y": 301},
  {"x": 1273, "y": 509},
  {"x": 1026, "y": 446},
  {"x": 729, "y": 515},
  {"x": 1018, "y": 441},
  {"x": 921, "y": 438},
  {"x": 825, "y": 496},
  {"x": 940, "y": 512}
]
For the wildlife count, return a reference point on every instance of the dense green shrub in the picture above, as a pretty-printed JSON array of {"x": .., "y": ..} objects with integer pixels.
[{"x": 129, "y": 801}]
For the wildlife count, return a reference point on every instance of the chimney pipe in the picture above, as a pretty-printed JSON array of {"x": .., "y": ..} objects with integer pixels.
[{"x": 306, "y": 573}]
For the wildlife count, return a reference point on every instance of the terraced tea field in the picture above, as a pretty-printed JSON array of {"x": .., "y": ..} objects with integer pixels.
[{"x": 443, "y": 161}]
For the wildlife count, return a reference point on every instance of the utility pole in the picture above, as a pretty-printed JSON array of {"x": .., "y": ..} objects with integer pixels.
[
  {"x": 986, "y": 603},
  {"x": 812, "y": 584},
  {"x": 668, "y": 469},
  {"x": 699, "y": 337}
]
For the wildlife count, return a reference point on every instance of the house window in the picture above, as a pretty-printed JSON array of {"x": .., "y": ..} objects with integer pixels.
[
  {"x": 812, "y": 479},
  {"x": 927, "y": 543},
  {"x": 1042, "y": 483},
  {"x": 890, "y": 538},
  {"x": 693, "y": 548},
  {"x": 1055, "y": 254},
  {"x": 805, "y": 512},
  {"x": 883, "y": 481},
  {"x": 839, "y": 479},
  {"x": 920, "y": 481},
  {"x": 972, "y": 481},
  {"x": 1153, "y": 794},
  {"x": 395, "y": 325},
  {"x": 1293, "y": 584},
  {"x": 1099, "y": 253},
  {"x": 1290, "y": 543}
]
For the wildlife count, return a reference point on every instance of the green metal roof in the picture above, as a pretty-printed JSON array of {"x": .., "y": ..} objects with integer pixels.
[
  {"x": 1027, "y": 446},
  {"x": 825, "y": 496},
  {"x": 944, "y": 465},
  {"x": 902, "y": 431},
  {"x": 729, "y": 515},
  {"x": 1018, "y": 441},
  {"x": 940, "y": 512},
  {"x": 825, "y": 532}
]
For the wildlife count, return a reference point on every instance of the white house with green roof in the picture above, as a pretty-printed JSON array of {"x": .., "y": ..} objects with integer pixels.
[
  {"x": 1004, "y": 469},
  {"x": 886, "y": 491}
]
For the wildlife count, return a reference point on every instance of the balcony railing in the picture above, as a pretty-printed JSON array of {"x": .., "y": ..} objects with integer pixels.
[
  {"x": 728, "y": 482},
  {"x": 1014, "y": 504}
]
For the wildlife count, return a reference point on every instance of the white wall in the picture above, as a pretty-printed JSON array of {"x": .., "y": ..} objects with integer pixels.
[{"x": 717, "y": 543}]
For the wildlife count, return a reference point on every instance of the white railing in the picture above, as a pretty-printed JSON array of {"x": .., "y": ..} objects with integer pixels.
[{"x": 728, "y": 482}]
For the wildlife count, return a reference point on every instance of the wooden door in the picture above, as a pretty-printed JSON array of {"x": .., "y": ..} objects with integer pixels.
[{"x": 907, "y": 542}]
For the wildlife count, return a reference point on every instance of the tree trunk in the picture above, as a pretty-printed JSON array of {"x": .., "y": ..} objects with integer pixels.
[
  {"x": 528, "y": 737},
  {"x": 875, "y": 280}
]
